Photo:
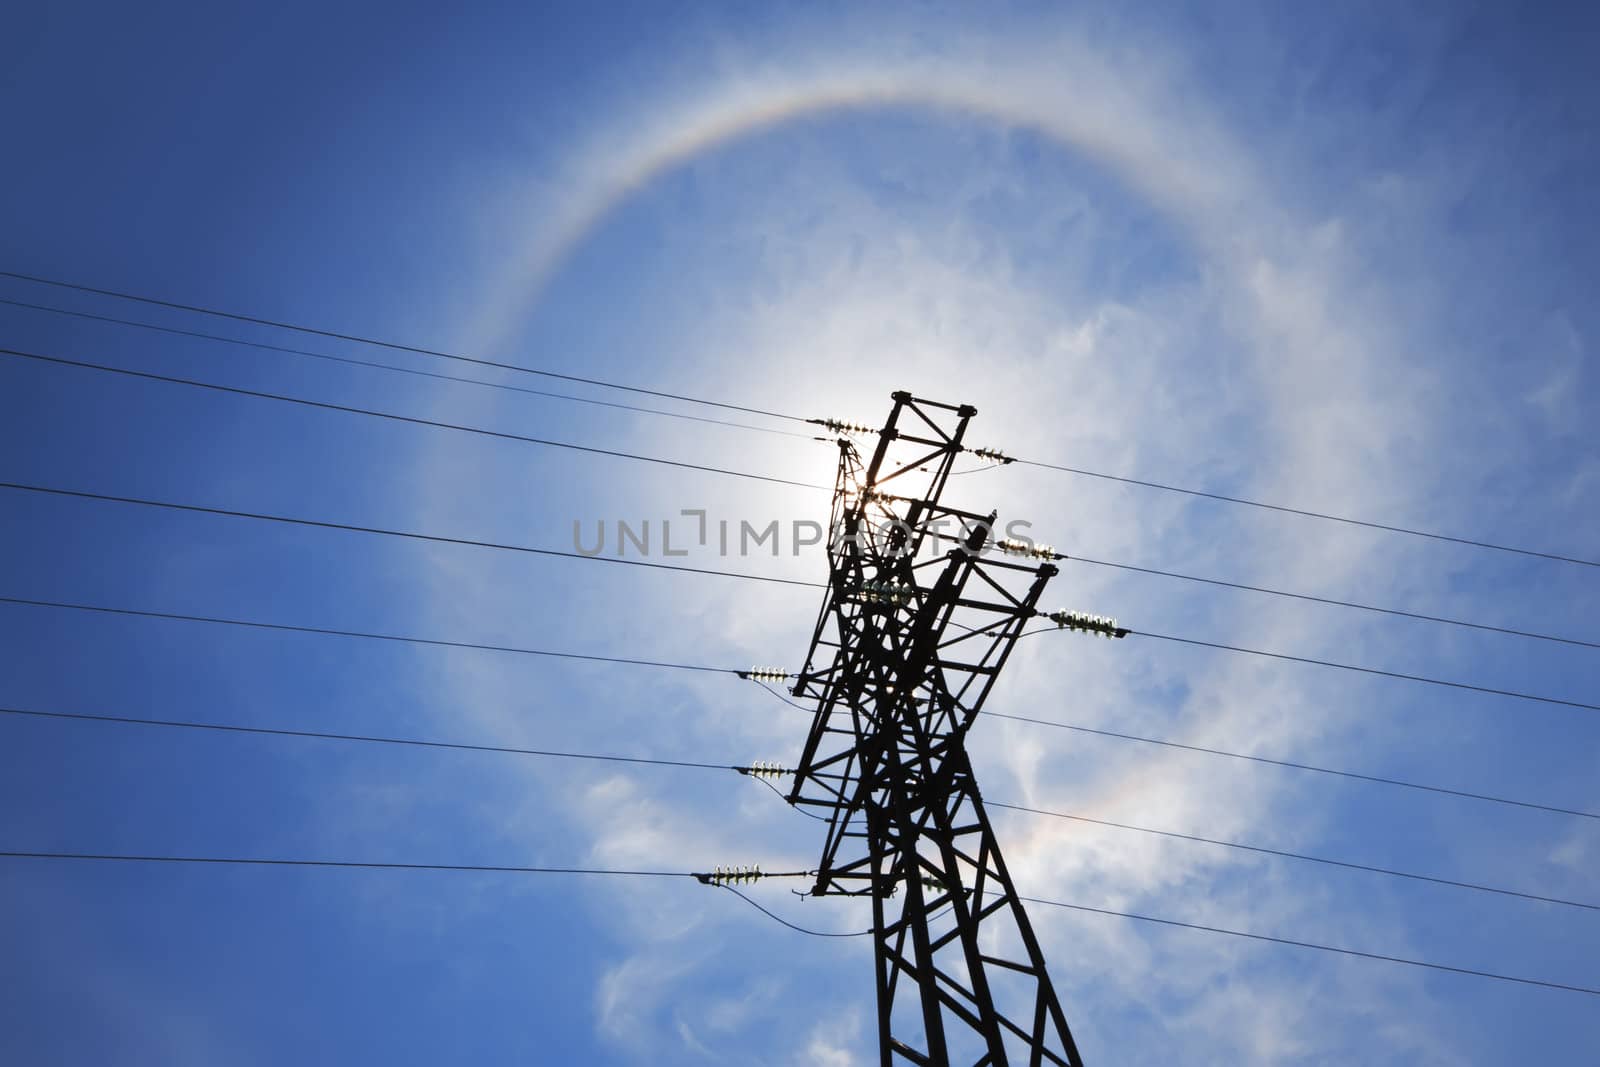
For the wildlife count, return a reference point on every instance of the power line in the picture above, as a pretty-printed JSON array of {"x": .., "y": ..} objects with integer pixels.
[
  {"x": 1145, "y": 483},
  {"x": 1310, "y": 514},
  {"x": 263, "y": 346},
  {"x": 716, "y": 766},
  {"x": 557, "y": 553},
  {"x": 653, "y": 663},
  {"x": 392, "y": 345},
  {"x": 329, "y": 632},
  {"x": 354, "y": 528},
  {"x": 1335, "y": 602},
  {"x": 1378, "y": 779},
  {"x": 1284, "y": 854},
  {"x": 409, "y": 535},
  {"x": 271, "y": 731},
  {"x": 781, "y": 795},
  {"x": 1317, "y": 947},
  {"x": 1333, "y": 664},
  {"x": 251, "y": 861},
  {"x": 786, "y": 700},
  {"x": 409, "y": 419},
  {"x": 1514, "y": 694},
  {"x": 254, "y": 861},
  {"x": 436, "y": 642},
  {"x": 798, "y": 929},
  {"x": 1266, "y": 760},
  {"x": 693, "y": 765}
]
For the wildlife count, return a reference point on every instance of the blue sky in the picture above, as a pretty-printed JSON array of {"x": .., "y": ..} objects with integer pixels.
[{"x": 1337, "y": 259}]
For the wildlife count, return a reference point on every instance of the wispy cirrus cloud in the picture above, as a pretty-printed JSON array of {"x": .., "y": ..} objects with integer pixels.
[{"x": 1248, "y": 349}]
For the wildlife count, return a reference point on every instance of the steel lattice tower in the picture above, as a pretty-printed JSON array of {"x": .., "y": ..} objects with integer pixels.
[{"x": 907, "y": 646}]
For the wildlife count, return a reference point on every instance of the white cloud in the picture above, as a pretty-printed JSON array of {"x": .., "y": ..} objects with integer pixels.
[{"x": 1270, "y": 364}]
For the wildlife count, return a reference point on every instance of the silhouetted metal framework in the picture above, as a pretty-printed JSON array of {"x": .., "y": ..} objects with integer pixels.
[{"x": 908, "y": 644}]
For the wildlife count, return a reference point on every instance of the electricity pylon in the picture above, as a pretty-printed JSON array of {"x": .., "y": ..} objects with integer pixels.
[{"x": 908, "y": 644}]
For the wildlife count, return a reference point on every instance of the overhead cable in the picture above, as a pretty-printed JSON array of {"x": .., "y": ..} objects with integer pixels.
[
  {"x": 251, "y": 861},
  {"x": 393, "y": 345},
  {"x": 365, "y": 635},
  {"x": 739, "y": 671},
  {"x": 1324, "y": 516},
  {"x": 375, "y": 364},
  {"x": 760, "y": 771},
  {"x": 1295, "y": 943},
  {"x": 602, "y": 383},
  {"x": 412, "y": 420},
  {"x": 406, "y": 534},
  {"x": 83, "y": 494},
  {"x": 1399, "y": 675},
  {"x": 1292, "y": 765},
  {"x": 1334, "y": 602},
  {"x": 1286, "y": 854}
]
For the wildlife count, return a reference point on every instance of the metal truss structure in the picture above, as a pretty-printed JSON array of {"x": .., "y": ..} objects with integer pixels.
[{"x": 910, "y": 640}]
